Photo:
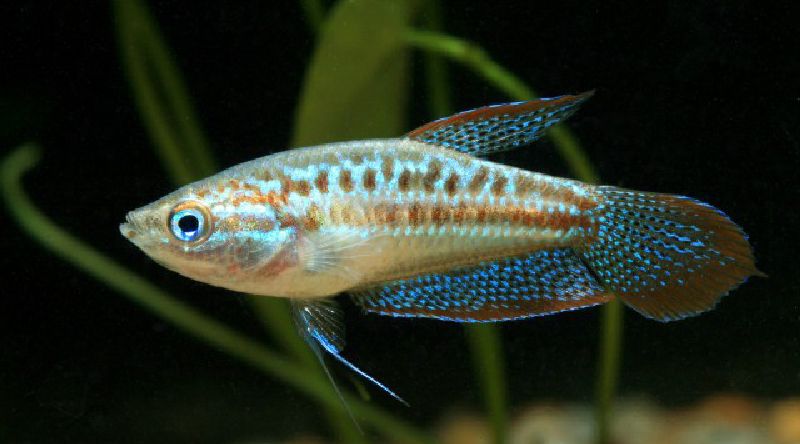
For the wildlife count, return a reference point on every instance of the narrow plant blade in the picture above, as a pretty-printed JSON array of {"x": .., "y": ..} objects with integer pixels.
[
  {"x": 487, "y": 353},
  {"x": 160, "y": 95}
]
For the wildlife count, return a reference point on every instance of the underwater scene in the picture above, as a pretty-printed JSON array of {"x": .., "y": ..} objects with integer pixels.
[{"x": 400, "y": 221}]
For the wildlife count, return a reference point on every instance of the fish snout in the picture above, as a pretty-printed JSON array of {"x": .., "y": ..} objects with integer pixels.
[
  {"x": 126, "y": 228},
  {"x": 132, "y": 226}
]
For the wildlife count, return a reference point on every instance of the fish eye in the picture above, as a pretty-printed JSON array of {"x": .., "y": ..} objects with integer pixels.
[{"x": 190, "y": 222}]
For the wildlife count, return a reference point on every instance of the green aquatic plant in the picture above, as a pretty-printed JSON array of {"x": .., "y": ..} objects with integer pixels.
[
  {"x": 376, "y": 79},
  {"x": 161, "y": 95}
]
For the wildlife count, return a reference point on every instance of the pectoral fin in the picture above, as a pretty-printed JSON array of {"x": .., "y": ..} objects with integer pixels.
[{"x": 331, "y": 249}]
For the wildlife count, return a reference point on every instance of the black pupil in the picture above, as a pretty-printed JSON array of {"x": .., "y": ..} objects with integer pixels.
[{"x": 188, "y": 223}]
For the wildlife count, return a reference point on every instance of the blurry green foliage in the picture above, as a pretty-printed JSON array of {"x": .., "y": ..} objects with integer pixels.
[
  {"x": 351, "y": 91},
  {"x": 355, "y": 90},
  {"x": 160, "y": 95},
  {"x": 314, "y": 12}
]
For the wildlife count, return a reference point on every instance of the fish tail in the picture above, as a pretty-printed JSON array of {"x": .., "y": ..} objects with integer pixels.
[{"x": 667, "y": 257}]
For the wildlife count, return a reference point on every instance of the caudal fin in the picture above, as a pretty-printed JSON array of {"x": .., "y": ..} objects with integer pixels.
[{"x": 668, "y": 257}]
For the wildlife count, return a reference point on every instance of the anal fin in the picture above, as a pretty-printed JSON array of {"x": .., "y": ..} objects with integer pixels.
[{"x": 538, "y": 284}]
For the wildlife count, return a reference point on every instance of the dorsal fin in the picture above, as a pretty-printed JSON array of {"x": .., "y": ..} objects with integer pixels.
[{"x": 496, "y": 128}]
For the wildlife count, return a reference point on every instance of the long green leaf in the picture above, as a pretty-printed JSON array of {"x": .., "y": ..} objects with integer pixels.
[
  {"x": 357, "y": 83},
  {"x": 160, "y": 94},
  {"x": 314, "y": 12},
  {"x": 436, "y": 70},
  {"x": 487, "y": 353},
  {"x": 608, "y": 370}
]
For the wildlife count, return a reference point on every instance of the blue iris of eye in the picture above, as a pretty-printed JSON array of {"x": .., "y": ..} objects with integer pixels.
[{"x": 187, "y": 225}]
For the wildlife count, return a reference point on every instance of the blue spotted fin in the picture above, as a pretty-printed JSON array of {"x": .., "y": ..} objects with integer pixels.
[
  {"x": 668, "y": 257},
  {"x": 497, "y": 128},
  {"x": 320, "y": 324},
  {"x": 541, "y": 283}
]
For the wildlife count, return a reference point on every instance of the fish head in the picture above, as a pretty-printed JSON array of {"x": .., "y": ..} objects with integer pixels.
[{"x": 218, "y": 232}]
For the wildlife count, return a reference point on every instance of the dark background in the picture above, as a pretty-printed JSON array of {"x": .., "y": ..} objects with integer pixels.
[{"x": 697, "y": 98}]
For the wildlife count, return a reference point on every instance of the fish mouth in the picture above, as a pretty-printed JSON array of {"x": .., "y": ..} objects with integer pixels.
[
  {"x": 129, "y": 228},
  {"x": 126, "y": 230}
]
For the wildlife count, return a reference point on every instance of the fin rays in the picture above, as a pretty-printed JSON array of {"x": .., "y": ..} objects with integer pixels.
[
  {"x": 497, "y": 128},
  {"x": 667, "y": 257},
  {"x": 319, "y": 322},
  {"x": 329, "y": 247},
  {"x": 540, "y": 283}
]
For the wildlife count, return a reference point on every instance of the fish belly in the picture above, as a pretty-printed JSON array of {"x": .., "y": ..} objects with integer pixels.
[{"x": 405, "y": 253}]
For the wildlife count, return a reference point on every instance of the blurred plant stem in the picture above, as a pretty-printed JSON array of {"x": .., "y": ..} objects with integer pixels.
[
  {"x": 608, "y": 369},
  {"x": 486, "y": 347},
  {"x": 170, "y": 309},
  {"x": 436, "y": 70},
  {"x": 160, "y": 95},
  {"x": 475, "y": 58}
]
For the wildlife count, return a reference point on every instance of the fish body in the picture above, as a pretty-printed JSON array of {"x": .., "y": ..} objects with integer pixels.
[
  {"x": 355, "y": 214},
  {"x": 424, "y": 226}
]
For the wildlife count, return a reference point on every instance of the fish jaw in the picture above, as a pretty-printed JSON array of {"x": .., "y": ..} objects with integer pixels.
[{"x": 146, "y": 227}]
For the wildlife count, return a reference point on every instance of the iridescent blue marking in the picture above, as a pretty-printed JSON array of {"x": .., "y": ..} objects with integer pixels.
[
  {"x": 502, "y": 131},
  {"x": 490, "y": 291},
  {"x": 644, "y": 244}
]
